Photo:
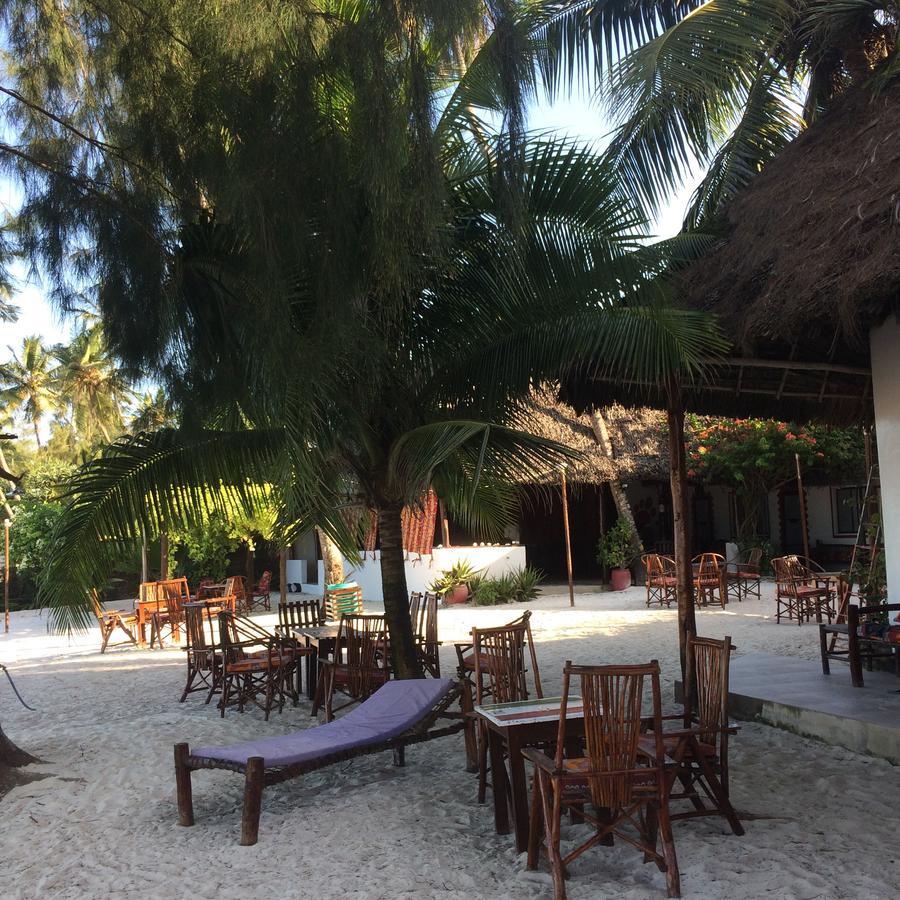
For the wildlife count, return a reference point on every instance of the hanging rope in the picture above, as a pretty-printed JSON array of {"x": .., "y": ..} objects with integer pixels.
[{"x": 15, "y": 689}]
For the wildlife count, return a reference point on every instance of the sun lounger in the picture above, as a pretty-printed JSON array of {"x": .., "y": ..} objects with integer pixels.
[{"x": 400, "y": 713}]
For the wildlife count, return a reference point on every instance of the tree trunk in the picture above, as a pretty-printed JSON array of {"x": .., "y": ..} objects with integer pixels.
[
  {"x": 163, "y": 557},
  {"x": 684, "y": 576},
  {"x": 5, "y": 473},
  {"x": 37, "y": 433},
  {"x": 623, "y": 507},
  {"x": 396, "y": 600},
  {"x": 282, "y": 576},
  {"x": 332, "y": 559}
]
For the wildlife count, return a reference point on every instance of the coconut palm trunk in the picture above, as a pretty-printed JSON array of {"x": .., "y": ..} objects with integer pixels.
[
  {"x": 396, "y": 601},
  {"x": 332, "y": 559}
]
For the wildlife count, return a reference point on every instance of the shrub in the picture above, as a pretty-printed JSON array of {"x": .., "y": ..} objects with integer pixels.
[
  {"x": 615, "y": 549},
  {"x": 505, "y": 587},
  {"x": 485, "y": 592},
  {"x": 461, "y": 572},
  {"x": 526, "y": 584}
]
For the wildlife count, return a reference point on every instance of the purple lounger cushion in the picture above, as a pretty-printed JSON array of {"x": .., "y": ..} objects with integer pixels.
[{"x": 389, "y": 712}]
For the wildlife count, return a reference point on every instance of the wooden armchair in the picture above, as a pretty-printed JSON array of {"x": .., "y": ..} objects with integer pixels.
[
  {"x": 697, "y": 753},
  {"x": 171, "y": 594},
  {"x": 344, "y": 599},
  {"x": 256, "y": 664},
  {"x": 709, "y": 579},
  {"x": 466, "y": 658},
  {"x": 870, "y": 633},
  {"x": 743, "y": 578},
  {"x": 236, "y": 586},
  {"x": 425, "y": 632},
  {"x": 299, "y": 614},
  {"x": 261, "y": 594},
  {"x": 359, "y": 666},
  {"x": 660, "y": 579},
  {"x": 800, "y": 591},
  {"x": 204, "y": 652},
  {"x": 111, "y": 619},
  {"x": 626, "y": 784}
]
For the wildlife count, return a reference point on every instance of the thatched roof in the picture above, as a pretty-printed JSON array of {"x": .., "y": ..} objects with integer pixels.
[
  {"x": 809, "y": 262},
  {"x": 637, "y": 436}
]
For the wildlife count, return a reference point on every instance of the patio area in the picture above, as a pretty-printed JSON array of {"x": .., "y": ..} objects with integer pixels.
[{"x": 106, "y": 726}]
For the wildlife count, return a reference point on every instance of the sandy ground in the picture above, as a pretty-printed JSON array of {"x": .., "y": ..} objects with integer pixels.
[{"x": 821, "y": 821}]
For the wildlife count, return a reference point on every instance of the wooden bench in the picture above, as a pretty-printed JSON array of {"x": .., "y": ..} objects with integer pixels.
[{"x": 860, "y": 647}]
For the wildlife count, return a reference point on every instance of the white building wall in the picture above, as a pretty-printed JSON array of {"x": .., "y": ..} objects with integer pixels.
[{"x": 885, "y": 346}]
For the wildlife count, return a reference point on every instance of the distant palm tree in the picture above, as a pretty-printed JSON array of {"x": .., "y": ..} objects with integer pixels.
[
  {"x": 92, "y": 384},
  {"x": 27, "y": 383},
  {"x": 154, "y": 411}
]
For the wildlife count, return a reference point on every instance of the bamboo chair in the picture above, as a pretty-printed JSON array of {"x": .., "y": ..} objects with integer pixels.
[
  {"x": 256, "y": 664},
  {"x": 359, "y": 666},
  {"x": 299, "y": 614},
  {"x": 742, "y": 579},
  {"x": 236, "y": 586},
  {"x": 343, "y": 599},
  {"x": 627, "y": 786},
  {"x": 709, "y": 579},
  {"x": 261, "y": 595},
  {"x": 698, "y": 753},
  {"x": 465, "y": 654},
  {"x": 173, "y": 593},
  {"x": 660, "y": 579},
  {"x": 111, "y": 619},
  {"x": 425, "y": 631},
  {"x": 203, "y": 649},
  {"x": 799, "y": 591}
]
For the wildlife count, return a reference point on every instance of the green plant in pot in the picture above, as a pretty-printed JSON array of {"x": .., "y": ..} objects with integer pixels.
[
  {"x": 453, "y": 583},
  {"x": 615, "y": 550}
]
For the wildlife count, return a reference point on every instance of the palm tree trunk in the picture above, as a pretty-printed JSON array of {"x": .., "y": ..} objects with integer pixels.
[
  {"x": 332, "y": 559},
  {"x": 5, "y": 473},
  {"x": 104, "y": 431},
  {"x": 623, "y": 507},
  {"x": 396, "y": 600},
  {"x": 37, "y": 433}
]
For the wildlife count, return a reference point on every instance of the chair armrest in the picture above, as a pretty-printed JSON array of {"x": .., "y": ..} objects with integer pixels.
[{"x": 541, "y": 760}]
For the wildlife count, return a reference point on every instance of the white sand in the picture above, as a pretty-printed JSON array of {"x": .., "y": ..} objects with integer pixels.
[{"x": 824, "y": 820}]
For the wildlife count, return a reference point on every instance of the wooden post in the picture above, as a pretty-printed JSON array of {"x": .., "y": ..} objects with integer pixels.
[
  {"x": 145, "y": 558},
  {"x": 804, "y": 530},
  {"x": 684, "y": 576},
  {"x": 565, "y": 509},
  {"x": 163, "y": 556},
  {"x": 282, "y": 575},
  {"x": 603, "y": 572},
  {"x": 254, "y": 781},
  {"x": 6, "y": 524},
  {"x": 183, "y": 786},
  {"x": 445, "y": 525}
]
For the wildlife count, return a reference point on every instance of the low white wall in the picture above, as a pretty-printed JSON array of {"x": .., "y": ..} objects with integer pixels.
[
  {"x": 491, "y": 561},
  {"x": 885, "y": 342}
]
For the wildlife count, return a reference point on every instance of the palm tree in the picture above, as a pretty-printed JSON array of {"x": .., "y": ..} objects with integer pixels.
[
  {"x": 27, "y": 383},
  {"x": 92, "y": 384},
  {"x": 345, "y": 293},
  {"x": 155, "y": 410}
]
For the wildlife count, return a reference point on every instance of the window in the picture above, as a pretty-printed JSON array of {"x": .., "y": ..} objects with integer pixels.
[{"x": 847, "y": 508}]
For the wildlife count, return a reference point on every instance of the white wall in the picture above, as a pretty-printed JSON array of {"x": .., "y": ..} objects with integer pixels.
[
  {"x": 885, "y": 346},
  {"x": 420, "y": 573}
]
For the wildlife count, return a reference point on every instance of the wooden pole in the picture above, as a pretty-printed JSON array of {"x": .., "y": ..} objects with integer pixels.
[
  {"x": 565, "y": 508},
  {"x": 603, "y": 572},
  {"x": 445, "y": 525},
  {"x": 684, "y": 576},
  {"x": 6, "y": 524},
  {"x": 282, "y": 574},
  {"x": 163, "y": 556},
  {"x": 145, "y": 558},
  {"x": 804, "y": 531}
]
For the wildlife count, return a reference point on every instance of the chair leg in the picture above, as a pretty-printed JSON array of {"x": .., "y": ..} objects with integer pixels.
[
  {"x": 482, "y": 765},
  {"x": 673, "y": 879},
  {"x": 535, "y": 824},
  {"x": 105, "y": 633},
  {"x": 551, "y": 829},
  {"x": 724, "y": 804},
  {"x": 254, "y": 781}
]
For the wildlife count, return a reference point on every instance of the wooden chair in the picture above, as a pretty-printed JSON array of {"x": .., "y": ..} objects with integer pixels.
[
  {"x": 466, "y": 658},
  {"x": 172, "y": 594},
  {"x": 709, "y": 579},
  {"x": 256, "y": 664},
  {"x": 359, "y": 666},
  {"x": 869, "y": 637},
  {"x": 299, "y": 614},
  {"x": 660, "y": 579},
  {"x": 261, "y": 594},
  {"x": 800, "y": 592},
  {"x": 204, "y": 652},
  {"x": 236, "y": 586},
  {"x": 627, "y": 786},
  {"x": 742, "y": 579},
  {"x": 111, "y": 619},
  {"x": 343, "y": 599},
  {"x": 425, "y": 631},
  {"x": 698, "y": 753}
]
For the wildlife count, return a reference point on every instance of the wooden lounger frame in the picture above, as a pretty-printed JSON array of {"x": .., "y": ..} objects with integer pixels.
[{"x": 257, "y": 776}]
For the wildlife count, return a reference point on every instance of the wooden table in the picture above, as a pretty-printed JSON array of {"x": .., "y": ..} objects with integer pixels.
[
  {"x": 145, "y": 610},
  {"x": 514, "y": 726},
  {"x": 319, "y": 639}
]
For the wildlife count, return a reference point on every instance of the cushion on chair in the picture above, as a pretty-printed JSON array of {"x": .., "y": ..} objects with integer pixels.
[{"x": 390, "y": 711}]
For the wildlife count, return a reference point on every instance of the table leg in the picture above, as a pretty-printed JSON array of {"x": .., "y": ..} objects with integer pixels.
[
  {"x": 312, "y": 669},
  {"x": 519, "y": 789},
  {"x": 498, "y": 782}
]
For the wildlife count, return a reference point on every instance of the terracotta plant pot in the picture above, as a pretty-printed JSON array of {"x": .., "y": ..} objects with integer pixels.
[
  {"x": 459, "y": 594},
  {"x": 620, "y": 579}
]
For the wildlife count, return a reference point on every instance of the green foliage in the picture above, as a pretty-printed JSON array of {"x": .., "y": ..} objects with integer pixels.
[
  {"x": 207, "y": 547},
  {"x": 616, "y": 549},
  {"x": 461, "y": 572},
  {"x": 527, "y": 583},
  {"x": 505, "y": 587},
  {"x": 520, "y": 586},
  {"x": 485, "y": 593}
]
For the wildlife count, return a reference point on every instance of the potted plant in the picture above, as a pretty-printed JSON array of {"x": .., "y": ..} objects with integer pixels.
[
  {"x": 453, "y": 583},
  {"x": 615, "y": 550}
]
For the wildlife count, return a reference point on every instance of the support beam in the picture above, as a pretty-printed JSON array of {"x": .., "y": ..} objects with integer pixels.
[
  {"x": 565, "y": 510},
  {"x": 282, "y": 576},
  {"x": 801, "y": 496}
]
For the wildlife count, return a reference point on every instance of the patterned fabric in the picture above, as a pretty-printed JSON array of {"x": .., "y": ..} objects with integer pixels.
[{"x": 418, "y": 525}]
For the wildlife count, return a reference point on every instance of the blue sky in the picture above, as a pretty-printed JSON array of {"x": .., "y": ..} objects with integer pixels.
[{"x": 575, "y": 116}]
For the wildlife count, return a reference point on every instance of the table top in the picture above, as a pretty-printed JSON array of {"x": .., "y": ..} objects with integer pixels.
[
  {"x": 317, "y": 632},
  {"x": 529, "y": 712}
]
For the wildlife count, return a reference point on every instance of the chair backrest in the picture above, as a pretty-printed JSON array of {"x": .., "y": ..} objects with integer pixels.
[
  {"x": 612, "y": 700},
  {"x": 500, "y": 668},
  {"x": 201, "y": 632},
  {"x": 754, "y": 560},
  {"x": 236, "y": 586},
  {"x": 709, "y": 566},
  {"x": 657, "y": 567},
  {"x": 264, "y": 582},
  {"x": 343, "y": 599},
  {"x": 175, "y": 593},
  {"x": 149, "y": 590},
  {"x": 428, "y": 625},
  {"x": 363, "y": 641},
  {"x": 415, "y": 611},
  {"x": 707, "y": 665},
  {"x": 790, "y": 574},
  {"x": 300, "y": 614},
  {"x": 97, "y": 605}
]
